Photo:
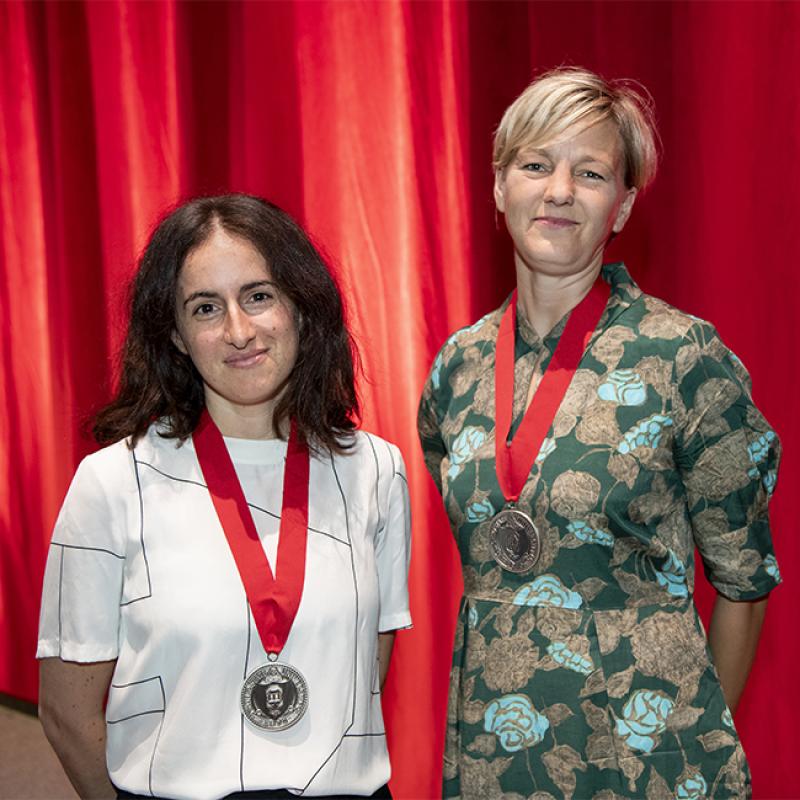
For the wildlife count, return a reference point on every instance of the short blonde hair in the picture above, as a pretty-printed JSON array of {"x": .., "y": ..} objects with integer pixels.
[{"x": 569, "y": 96}]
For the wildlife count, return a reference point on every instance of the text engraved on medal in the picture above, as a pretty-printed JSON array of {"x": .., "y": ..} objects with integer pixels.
[
  {"x": 274, "y": 697},
  {"x": 514, "y": 540}
]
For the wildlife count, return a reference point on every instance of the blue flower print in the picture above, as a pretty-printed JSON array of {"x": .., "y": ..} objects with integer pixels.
[
  {"x": 548, "y": 445},
  {"x": 479, "y": 511},
  {"x": 472, "y": 617},
  {"x": 672, "y": 576},
  {"x": 727, "y": 718},
  {"x": 454, "y": 338},
  {"x": 547, "y": 590},
  {"x": 644, "y": 716},
  {"x": 586, "y": 533},
  {"x": 771, "y": 567},
  {"x": 769, "y": 481},
  {"x": 436, "y": 371},
  {"x": 562, "y": 655},
  {"x": 465, "y": 444},
  {"x": 515, "y": 722},
  {"x": 647, "y": 433},
  {"x": 759, "y": 449},
  {"x": 623, "y": 386},
  {"x": 692, "y": 788}
]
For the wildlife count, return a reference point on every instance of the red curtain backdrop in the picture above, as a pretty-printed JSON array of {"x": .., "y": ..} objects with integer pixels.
[{"x": 371, "y": 122}]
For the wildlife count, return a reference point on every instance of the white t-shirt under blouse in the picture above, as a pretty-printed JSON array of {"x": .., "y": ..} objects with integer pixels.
[{"x": 139, "y": 570}]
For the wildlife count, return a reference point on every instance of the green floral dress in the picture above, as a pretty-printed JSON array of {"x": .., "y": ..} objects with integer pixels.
[{"x": 590, "y": 677}]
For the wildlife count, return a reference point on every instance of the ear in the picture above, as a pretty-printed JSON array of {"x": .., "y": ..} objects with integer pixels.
[
  {"x": 499, "y": 190},
  {"x": 625, "y": 209},
  {"x": 178, "y": 341}
]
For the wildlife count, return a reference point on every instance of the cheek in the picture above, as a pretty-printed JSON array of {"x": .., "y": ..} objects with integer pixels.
[{"x": 198, "y": 346}]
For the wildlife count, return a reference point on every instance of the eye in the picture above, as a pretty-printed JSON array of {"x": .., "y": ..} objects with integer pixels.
[
  {"x": 592, "y": 175},
  {"x": 534, "y": 166},
  {"x": 204, "y": 310},
  {"x": 260, "y": 297}
]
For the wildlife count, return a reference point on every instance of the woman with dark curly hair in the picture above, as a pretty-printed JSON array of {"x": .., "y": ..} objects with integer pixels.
[{"x": 230, "y": 568}]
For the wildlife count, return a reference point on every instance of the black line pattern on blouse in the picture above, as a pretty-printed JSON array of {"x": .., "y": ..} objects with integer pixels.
[
  {"x": 161, "y": 711},
  {"x": 94, "y": 549},
  {"x": 141, "y": 536},
  {"x": 241, "y": 714},
  {"x": 251, "y": 505},
  {"x": 355, "y": 653},
  {"x": 158, "y": 737},
  {"x": 60, "y": 585},
  {"x": 377, "y": 479}
]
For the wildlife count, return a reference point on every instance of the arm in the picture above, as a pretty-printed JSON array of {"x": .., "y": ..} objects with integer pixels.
[
  {"x": 733, "y": 636},
  {"x": 71, "y": 701},
  {"x": 385, "y": 645}
]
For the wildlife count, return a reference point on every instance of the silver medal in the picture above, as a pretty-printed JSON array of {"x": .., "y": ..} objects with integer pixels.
[
  {"x": 274, "y": 697},
  {"x": 514, "y": 540}
]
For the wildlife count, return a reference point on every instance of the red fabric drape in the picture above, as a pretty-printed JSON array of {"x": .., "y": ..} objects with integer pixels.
[{"x": 372, "y": 123}]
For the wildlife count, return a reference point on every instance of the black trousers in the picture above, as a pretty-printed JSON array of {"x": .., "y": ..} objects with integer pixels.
[{"x": 267, "y": 794}]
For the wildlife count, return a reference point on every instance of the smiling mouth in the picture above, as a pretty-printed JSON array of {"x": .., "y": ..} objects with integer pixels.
[
  {"x": 555, "y": 222},
  {"x": 244, "y": 360}
]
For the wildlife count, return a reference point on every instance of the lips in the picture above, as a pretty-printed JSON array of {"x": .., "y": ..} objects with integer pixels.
[
  {"x": 244, "y": 360},
  {"x": 555, "y": 222}
]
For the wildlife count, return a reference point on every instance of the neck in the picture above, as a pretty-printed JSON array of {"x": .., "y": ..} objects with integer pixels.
[
  {"x": 544, "y": 299},
  {"x": 241, "y": 422}
]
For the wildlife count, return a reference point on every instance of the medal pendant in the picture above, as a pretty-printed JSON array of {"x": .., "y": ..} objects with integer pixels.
[
  {"x": 514, "y": 541},
  {"x": 274, "y": 697}
]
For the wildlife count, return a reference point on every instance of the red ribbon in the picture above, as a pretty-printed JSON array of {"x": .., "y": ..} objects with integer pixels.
[
  {"x": 514, "y": 461},
  {"x": 273, "y": 600}
]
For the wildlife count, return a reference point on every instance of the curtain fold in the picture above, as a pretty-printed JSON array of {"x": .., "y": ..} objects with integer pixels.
[{"x": 372, "y": 123}]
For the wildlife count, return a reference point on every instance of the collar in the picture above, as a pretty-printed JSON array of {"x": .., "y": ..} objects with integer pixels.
[{"x": 624, "y": 292}]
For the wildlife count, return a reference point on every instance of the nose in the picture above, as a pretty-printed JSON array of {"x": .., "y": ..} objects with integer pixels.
[
  {"x": 239, "y": 330},
  {"x": 560, "y": 189}
]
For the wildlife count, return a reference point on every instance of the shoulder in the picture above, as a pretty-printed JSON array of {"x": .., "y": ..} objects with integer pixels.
[
  {"x": 100, "y": 488},
  {"x": 683, "y": 337},
  {"x": 466, "y": 346},
  {"x": 371, "y": 448},
  {"x": 657, "y": 319},
  {"x": 479, "y": 333},
  {"x": 113, "y": 465},
  {"x": 107, "y": 464},
  {"x": 694, "y": 340}
]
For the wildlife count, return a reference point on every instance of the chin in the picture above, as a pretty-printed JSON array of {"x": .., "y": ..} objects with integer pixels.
[{"x": 550, "y": 263}]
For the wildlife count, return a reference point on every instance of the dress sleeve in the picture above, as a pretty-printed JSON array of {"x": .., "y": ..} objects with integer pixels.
[
  {"x": 393, "y": 549},
  {"x": 728, "y": 458},
  {"x": 429, "y": 424},
  {"x": 79, "y": 618}
]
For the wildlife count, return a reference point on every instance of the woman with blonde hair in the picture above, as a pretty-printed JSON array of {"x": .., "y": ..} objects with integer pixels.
[{"x": 585, "y": 438}]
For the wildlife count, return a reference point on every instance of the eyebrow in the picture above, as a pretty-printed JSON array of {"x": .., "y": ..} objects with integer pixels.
[{"x": 204, "y": 294}]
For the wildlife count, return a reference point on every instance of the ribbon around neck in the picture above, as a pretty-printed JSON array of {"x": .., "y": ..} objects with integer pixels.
[
  {"x": 514, "y": 461},
  {"x": 274, "y": 600}
]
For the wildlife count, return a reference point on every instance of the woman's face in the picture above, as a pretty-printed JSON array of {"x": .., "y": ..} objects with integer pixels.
[
  {"x": 563, "y": 200},
  {"x": 235, "y": 325}
]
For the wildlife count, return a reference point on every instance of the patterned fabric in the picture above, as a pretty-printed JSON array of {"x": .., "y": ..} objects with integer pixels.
[{"x": 590, "y": 677}]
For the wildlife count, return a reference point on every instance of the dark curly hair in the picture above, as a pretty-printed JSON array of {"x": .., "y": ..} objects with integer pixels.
[{"x": 158, "y": 382}]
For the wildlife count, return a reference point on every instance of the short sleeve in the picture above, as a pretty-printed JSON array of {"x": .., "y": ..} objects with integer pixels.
[
  {"x": 79, "y": 618},
  {"x": 429, "y": 425},
  {"x": 728, "y": 459},
  {"x": 393, "y": 550}
]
